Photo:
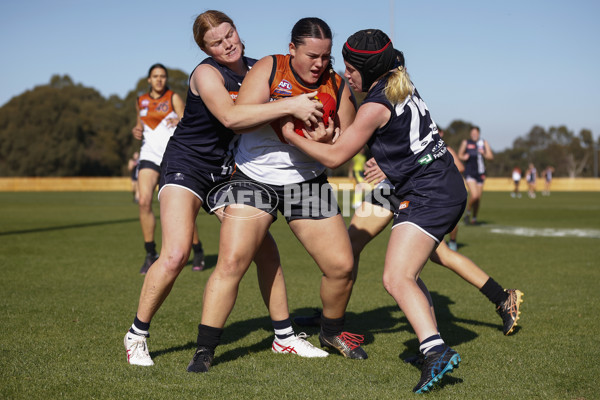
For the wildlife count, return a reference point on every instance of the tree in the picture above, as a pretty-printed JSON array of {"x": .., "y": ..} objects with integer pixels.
[{"x": 66, "y": 129}]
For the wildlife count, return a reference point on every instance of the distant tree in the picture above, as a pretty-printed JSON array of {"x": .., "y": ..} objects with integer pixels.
[
  {"x": 569, "y": 154},
  {"x": 66, "y": 129},
  {"x": 456, "y": 132},
  {"x": 59, "y": 129}
]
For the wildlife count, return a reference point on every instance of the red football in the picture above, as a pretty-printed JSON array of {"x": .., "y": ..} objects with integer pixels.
[{"x": 328, "y": 110}]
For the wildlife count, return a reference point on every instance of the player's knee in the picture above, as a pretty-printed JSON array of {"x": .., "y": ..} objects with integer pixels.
[
  {"x": 173, "y": 260},
  {"x": 231, "y": 265},
  {"x": 393, "y": 283},
  {"x": 145, "y": 203},
  {"x": 341, "y": 268}
]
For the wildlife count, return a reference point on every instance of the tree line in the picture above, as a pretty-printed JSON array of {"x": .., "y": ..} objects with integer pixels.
[{"x": 67, "y": 129}]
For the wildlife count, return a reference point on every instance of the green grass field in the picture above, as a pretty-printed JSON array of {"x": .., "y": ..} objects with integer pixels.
[{"x": 69, "y": 287}]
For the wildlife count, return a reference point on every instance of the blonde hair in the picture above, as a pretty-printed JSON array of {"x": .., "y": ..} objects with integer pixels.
[
  {"x": 205, "y": 22},
  {"x": 398, "y": 86}
]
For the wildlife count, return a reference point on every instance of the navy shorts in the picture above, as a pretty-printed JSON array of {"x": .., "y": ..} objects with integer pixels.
[
  {"x": 477, "y": 178},
  {"x": 382, "y": 195},
  {"x": 434, "y": 221},
  {"x": 201, "y": 183},
  {"x": 312, "y": 199},
  {"x": 147, "y": 164}
]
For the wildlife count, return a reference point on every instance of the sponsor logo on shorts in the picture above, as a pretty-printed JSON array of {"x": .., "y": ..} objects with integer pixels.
[
  {"x": 179, "y": 176},
  {"x": 404, "y": 205},
  {"x": 303, "y": 200},
  {"x": 239, "y": 193}
]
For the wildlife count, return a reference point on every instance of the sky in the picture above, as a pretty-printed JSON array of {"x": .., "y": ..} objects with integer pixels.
[{"x": 505, "y": 66}]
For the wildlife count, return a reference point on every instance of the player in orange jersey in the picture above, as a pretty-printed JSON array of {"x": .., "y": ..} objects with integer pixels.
[
  {"x": 273, "y": 176},
  {"x": 158, "y": 113}
]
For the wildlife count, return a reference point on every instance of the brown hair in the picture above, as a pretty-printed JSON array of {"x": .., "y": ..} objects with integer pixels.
[{"x": 206, "y": 21}]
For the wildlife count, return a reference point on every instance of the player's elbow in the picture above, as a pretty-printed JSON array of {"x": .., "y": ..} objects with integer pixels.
[
  {"x": 229, "y": 123},
  {"x": 332, "y": 162}
]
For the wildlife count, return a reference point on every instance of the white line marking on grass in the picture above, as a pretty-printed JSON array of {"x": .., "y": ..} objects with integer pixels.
[{"x": 547, "y": 232}]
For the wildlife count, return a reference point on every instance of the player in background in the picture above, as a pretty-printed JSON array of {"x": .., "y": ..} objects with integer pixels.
[
  {"x": 531, "y": 177},
  {"x": 158, "y": 113},
  {"x": 198, "y": 158},
  {"x": 516, "y": 178},
  {"x": 452, "y": 244},
  {"x": 357, "y": 172},
  {"x": 473, "y": 152},
  {"x": 284, "y": 179},
  {"x": 132, "y": 167},
  {"x": 547, "y": 173}
]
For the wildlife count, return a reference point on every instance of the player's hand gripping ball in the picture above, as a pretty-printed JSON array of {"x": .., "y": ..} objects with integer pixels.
[{"x": 328, "y": 112}]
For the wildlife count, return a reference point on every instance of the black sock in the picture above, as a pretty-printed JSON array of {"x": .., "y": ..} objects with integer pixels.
[
  {"x": 139, "y": 327},
  {"x": 209, "y": 336},
  {"x": 150, "y": 247},
  {"x": 283, "y": 329},
  {"x": 197, "y": 247},
  {"x": 494, "y": 292},
  {"x": 433, "y": 344},
  {"x": 332, "y": 327}
]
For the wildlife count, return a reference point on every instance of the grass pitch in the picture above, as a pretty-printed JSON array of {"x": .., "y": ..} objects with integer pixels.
[{"x": 69, "y": 287}]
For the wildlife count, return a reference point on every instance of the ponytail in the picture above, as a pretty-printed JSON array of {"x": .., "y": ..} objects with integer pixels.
[{"x": 398, "y": 86}]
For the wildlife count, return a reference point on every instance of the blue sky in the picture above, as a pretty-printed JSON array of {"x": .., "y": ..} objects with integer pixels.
[{"x": 505, "y": 66}]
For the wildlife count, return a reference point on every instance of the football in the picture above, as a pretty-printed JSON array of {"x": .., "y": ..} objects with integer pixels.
[{"x": 329, "y": 106}]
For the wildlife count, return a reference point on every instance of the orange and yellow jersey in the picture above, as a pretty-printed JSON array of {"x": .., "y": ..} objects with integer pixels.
[
  {"x": 262, "y": 154},
  {"x": 154, "y": 114}
]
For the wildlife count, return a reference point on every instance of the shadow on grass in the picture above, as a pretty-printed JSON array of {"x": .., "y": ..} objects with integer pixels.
[
  {"x": 72, "y": 226},
  {"x": 232, "y": 333},
  {"x": 382, "y": 320},
  {"x": 369, "y": 324},
  {"x": 191, "y": 345},
  {"x": 452, "y": 333}
]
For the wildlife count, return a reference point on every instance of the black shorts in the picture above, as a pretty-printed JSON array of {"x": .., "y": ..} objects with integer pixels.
[
  {"x": 312, "y": 199},
  {"x": 434, "y": 221},
  {"x": 201, "y": 183},
  {"x": 148, "y": 164},
  {"x": 476, "y": 177}
]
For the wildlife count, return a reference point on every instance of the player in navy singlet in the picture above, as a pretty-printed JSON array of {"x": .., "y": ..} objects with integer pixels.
[
  {"x": 395, "y": 122},
  {"x": 547, "y": 173},
  {"x": 271, "y": 175},
  {"x": 198, "y": 158},
  {"x": 375, "y": 213},
  {"x": 531, "y": 178},
  {"x": 473, "y": 152}
]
